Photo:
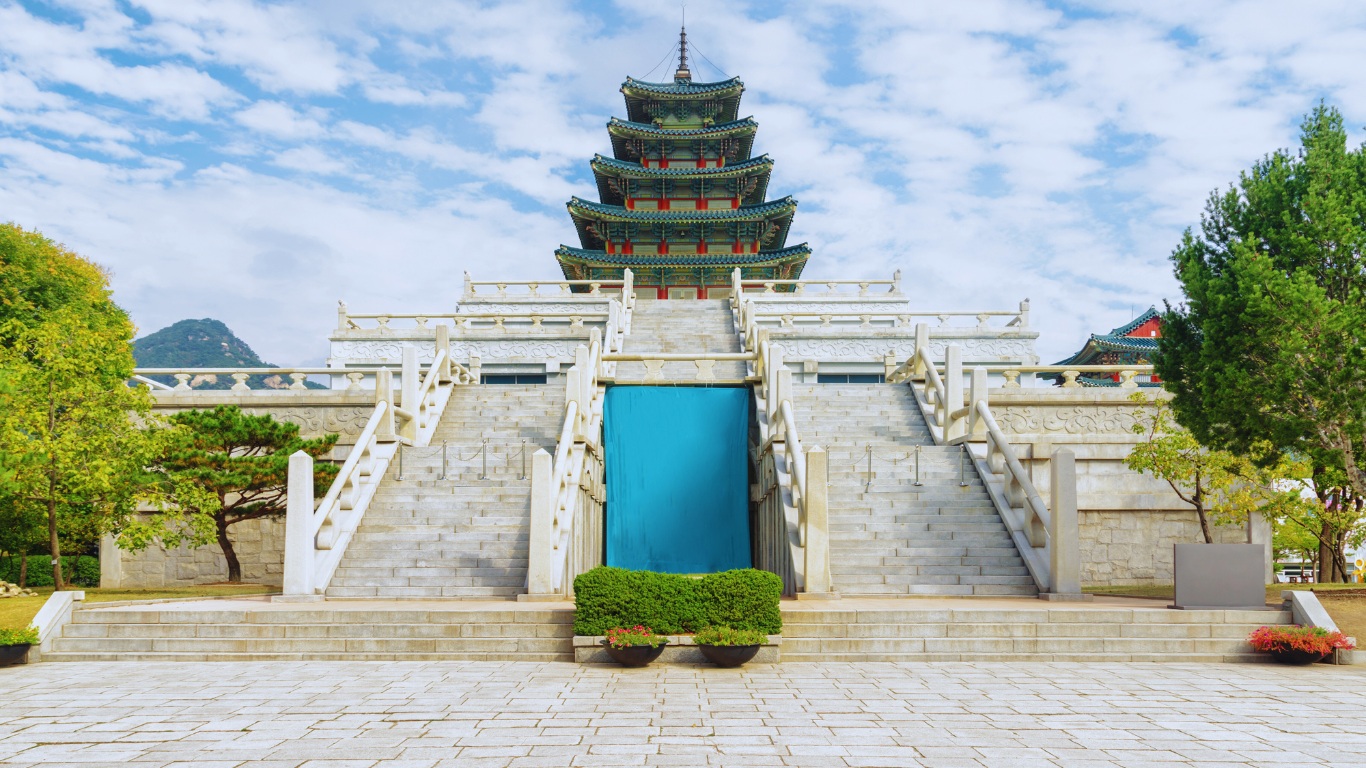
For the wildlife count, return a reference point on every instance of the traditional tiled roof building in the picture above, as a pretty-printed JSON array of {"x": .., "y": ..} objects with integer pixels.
[
  {"x": 682, "y": 202},
  {"x": 1133, "y": 343}
]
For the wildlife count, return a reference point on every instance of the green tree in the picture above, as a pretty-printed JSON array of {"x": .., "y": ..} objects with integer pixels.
[
  {"x": 1222, "y": 487},
  {"x": 219, "y": 468},
  {"x": 1270, "y": 347},
  {"x": 69, "y": 424}
]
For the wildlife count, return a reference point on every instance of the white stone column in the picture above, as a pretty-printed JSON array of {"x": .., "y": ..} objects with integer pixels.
[
  {"x": 540, "y": 546},
  {"x": 818, "y": 579},
  {"x": 955, "y": 429},
  {"x": 111, "y": 563},
  {"x": 299, "y": 549},
  {"x": 412, "y": 379},
  {"x": 1064, "y": 545}
]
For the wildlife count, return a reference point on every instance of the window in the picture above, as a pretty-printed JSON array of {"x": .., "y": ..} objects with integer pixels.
[
  {"x": 850, "y": 378},
  {"x": 510, "y": 378}
]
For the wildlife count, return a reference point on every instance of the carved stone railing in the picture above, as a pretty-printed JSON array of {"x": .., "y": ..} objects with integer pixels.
[
  {"x": 1048, "y": 541},
  {"x": 568, "y": 491},
  {"x": 787, "y": 318},
  {"x": 1126, "y": 376},
  {"x": 704, "y": 363},
  {"x": 545, "y": 288},
  {"x": 531, "y": 320},
  {"x": 316, "y": 537},
  {"x": 813, "y": 287},
  {"x": 188, "y": 378}
]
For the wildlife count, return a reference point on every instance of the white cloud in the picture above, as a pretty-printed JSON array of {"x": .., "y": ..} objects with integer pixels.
[{"x": 992, "y": 150}]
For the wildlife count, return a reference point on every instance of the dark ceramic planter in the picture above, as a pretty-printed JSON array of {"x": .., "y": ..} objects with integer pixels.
[
  {"x": 13, "y": 654},
  {"x": 1297, "y": 658},
  {"x": 728, "y": 655},
  {"x": 635, "y": 655}
]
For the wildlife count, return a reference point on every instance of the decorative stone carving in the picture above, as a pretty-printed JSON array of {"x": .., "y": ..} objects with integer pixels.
[
  {"x": 529, "y": 349},
  {"x": 1073, "y": 420},
  {"x": 873, "y": 347}
]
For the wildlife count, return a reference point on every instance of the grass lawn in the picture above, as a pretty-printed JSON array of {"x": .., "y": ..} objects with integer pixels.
[
  {"x": 18, "y": 612},
  {"x": 1348, "y": 609}
]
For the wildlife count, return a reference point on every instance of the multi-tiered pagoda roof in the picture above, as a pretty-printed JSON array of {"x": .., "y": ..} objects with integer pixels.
[{"x": 681, "y": 201}]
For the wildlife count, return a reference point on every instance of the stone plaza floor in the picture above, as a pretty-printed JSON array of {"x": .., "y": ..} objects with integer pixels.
[{"x": 428, "y": 714}]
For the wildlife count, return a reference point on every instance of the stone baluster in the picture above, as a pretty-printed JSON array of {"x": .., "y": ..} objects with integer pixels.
[
  {"x": 299, "y": 546},
  {"x": 786, "y": 321},
  {"x": 977, "y": 393},
  {"x": 863, "y": 289},
  {"x": 922, "y": 341},
  {"x": 1126, "y": 380},
  {"x": 564, "y": 289},
  {"x": 706, "y": 370},
  {"x": 355, "y": 378},
  {"x": 298, "y": 379},
  {"x": 382, "y": 322},
  {"x": 943, "y": 319},
  {"x": 982, "y": 320},
  {"x": 1069, "y": 379},
  {"x": 384, "y": 393},
  {"x": 955, "y": 428},
  {"x": 240, "y": 382},
  {"x": 1064, "y": 537},
  {"x": 768, "y": 287},
  {"x": 865, "y": 321},
  {"x": 421, "y": 322},
  {"x": 182, "y": 382},
  {"x": 1012, "y": 376},
  {"x": 595, "y": 289},
  {"x": 576, "y": 321},
  {"x": 410, "y": 381},
  {"x": 533, "y": 289},
  {"x": 816, "y": 504},
  {"x": 536, "y": 321}
]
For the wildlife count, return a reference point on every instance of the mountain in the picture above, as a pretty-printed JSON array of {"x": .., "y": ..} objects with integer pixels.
[{"x": 206, "y": 343}]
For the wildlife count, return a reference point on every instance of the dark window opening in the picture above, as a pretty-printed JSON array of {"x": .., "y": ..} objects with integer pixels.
[
  {"x": 850, "y": 378},
  {"x": 513, "y": 378}
]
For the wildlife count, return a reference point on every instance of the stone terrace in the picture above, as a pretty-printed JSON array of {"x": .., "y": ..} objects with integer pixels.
[{"x": 473, "y": 714}]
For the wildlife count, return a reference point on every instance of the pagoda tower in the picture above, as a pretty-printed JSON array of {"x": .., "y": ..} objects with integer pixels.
[{"x": 681, "y": 201}]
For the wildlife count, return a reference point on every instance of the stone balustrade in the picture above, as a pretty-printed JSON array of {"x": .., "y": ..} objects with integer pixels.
[{"x": 541, "y": 288}]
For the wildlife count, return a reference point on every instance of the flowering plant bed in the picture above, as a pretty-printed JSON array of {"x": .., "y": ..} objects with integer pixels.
[
  {"x": 637, "y": 635},
  {"x": 634, "y": 647},
  {"x": 1298, "y": 645}
]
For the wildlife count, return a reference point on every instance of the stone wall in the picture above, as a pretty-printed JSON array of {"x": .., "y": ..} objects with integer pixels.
[
  {"x": 1135, "y": 546},
  {"x": 1129, "y": 521},
  {"x": 259, "y": 544}
]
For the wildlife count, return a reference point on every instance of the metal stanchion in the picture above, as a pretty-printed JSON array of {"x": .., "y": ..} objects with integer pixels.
[
  {"x": 523, "y": 476},
  {"x": 869, "y": 484},
  {"x": 962, "y": 466},
  {"x": 917, "y": 466},
  {"x": 484, "y": 449},
  {"x": 400, "y": 462},
  {"x": 443, "y": 459}
]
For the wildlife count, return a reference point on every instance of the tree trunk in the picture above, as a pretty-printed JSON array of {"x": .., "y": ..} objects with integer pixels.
[
  {"x": 224, "y": 543},
  {"x": 23, "y": 570},
  {"x": 1204, "y": 524},
  {"x": 54, "y": 546},
  {"x": 1325, "y": 554}
]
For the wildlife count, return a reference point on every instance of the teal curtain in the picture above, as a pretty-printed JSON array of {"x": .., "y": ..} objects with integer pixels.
[{"x": 677, "y": 478}]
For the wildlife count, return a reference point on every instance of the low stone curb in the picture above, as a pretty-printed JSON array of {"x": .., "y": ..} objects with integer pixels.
[{"x": 680, "y": 650}]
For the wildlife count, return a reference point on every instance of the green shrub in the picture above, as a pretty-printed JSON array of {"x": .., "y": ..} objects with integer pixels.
[
  {"x": 728, "y": 636},
  {"x": 19, "y": 636},
  {"x": 78, "y": 570},
  {"x": 606, "y": 598}
]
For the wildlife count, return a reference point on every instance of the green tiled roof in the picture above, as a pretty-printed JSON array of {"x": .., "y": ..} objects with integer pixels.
[
  {"x": 598, "y": 211},
  {"x": 567, "y": 254},
  {"x": 1133, "y": 325},
  {"x": 681, "y": 89},
  {"x": 617, "y": 126},
  {"x": 636, "y": 170}
]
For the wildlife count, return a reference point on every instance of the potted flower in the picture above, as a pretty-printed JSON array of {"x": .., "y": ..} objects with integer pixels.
[
  {"x": 14, "y": 645},
  {"x": 634, "y": 647},
  {"x": 727, "y": 647},
  {"x": 1298, "y": 645}
]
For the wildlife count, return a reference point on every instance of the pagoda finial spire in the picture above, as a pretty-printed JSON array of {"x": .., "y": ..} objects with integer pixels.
[{"x": 683, "y": 75}]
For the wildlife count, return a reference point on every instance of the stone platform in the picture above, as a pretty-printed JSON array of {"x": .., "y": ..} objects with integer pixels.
[{"x": 849, "y": 630}]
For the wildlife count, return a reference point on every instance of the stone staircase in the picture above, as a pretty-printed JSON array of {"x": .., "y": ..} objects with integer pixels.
[
  {"x": 958, "y": 630},
  {"x": 462, "y": 536},
  {"x": 682, "y": 326},
  {"x": 889, "y": 536},
  {"x": 255, "y": 630}
]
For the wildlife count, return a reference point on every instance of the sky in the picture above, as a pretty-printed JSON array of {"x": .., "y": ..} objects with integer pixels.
[{"x": 255, "y": 162}]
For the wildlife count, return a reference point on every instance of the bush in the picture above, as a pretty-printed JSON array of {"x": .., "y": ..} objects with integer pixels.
[
  {"x": 1315, "y": 640},
  {"x": 606, "y": 598},
  {"x": 19, "y": 636},
  {"x": 79, "y": 570}
]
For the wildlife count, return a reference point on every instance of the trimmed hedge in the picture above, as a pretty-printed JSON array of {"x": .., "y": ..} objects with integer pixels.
[
  {"x": 78, "y": 570},
  {"x": 670, "y": 604}
]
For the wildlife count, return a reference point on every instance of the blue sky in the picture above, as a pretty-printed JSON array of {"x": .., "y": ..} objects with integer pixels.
[{"x": 255, "y": 162}]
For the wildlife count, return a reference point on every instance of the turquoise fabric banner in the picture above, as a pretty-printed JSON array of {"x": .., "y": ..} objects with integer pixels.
[{"x": 677, "y": 478}]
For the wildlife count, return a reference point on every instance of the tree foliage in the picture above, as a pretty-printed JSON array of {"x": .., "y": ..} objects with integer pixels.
[
  {"x": 71, "y": 444},
  {"x": 1270, "y": 347},
  {"x": 1221, "y": 486},
  {"x": 219, "y": 468}
]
